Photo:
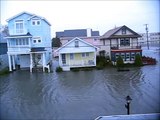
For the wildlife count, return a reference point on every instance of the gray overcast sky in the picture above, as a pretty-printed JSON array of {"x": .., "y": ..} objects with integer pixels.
[{"x": 98, "y": 15}]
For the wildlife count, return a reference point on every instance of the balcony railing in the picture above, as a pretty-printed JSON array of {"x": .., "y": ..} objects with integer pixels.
[
  {"x": 19, "y": 49},
  {"x": 125, "y": 47},
  {"x": 80, "y": 63}
]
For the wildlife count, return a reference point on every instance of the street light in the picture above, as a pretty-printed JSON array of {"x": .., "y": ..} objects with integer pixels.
[{"x": 128, "y": 100}]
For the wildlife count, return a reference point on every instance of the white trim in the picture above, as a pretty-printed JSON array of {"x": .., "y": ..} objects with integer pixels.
[
  {"x": 15, "y": 30},
  {"x": 40, "y": 18},
  {"x": 19, "y": 37},
  {"x": 36, "y": 38},
  {"x": 36, "y": 20},
  {"x": 24, "y": 12},
  {"x": 76, "y": 38}
]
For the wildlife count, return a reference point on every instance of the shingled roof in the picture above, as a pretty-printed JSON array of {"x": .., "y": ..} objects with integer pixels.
[{"x": 110, "y": 33}]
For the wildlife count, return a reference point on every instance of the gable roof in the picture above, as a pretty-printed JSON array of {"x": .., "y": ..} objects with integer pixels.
[
  {"x": 110, "y": 33},
  {"x": 19, "y": 15},
  {"x": 40, "y": 18},
  {"x": 76, "y": 38},
  {"x": 76, "y": 33},
  {"x": 31, "y": 16}
]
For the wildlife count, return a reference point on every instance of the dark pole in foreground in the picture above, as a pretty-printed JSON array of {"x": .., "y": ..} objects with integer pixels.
[{"x": 128, "y": 100}]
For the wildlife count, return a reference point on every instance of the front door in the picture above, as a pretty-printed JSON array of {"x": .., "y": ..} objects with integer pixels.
[{"x": 63, "y": 59}]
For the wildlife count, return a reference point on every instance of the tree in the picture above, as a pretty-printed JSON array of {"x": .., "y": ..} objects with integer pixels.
[
  {"x": 138, "y": 60},
  {"x": 120, "y": 62},
  {"x": 56, "y": 42}
]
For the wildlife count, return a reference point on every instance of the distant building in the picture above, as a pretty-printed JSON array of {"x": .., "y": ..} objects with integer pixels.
[
  {"x": 153, "y": 38},
  {"x": 77, "y": 33},
  {"x": 121, "y": 41},
  {"x": 29, "y": 41}
]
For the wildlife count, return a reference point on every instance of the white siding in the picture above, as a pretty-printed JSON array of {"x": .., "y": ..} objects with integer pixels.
[{"x": 83, "y": 47}]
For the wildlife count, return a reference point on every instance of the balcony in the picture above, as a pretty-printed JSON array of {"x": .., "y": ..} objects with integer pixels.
[{"x": 125, "y": 47}]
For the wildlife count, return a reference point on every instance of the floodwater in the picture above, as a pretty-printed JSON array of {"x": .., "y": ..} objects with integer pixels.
[{"x": 80, "y": 95}]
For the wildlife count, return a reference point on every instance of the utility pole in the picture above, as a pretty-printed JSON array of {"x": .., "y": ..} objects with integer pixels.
[{"x": 147, "y": 35}]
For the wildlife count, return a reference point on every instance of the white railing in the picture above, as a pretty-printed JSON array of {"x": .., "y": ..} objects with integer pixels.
[
  {"x": 19, "y": 49},
  {"x": 80, "y": 63}
]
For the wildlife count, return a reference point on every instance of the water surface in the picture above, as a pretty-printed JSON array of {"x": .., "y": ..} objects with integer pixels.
[{"x": 80, "y": 95}]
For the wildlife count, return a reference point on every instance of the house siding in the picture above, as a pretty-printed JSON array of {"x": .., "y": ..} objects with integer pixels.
[
  {"x": 78, "y": 60},
  {"x": 11, "y": 25}
]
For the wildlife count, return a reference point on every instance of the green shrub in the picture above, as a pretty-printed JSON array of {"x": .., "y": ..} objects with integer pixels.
[
  {"x": 4, "y": 71},
  {"x": 119, "y": 62},
  {"x": 59, "y": 69},
  {"x": 138, "y": 60}
]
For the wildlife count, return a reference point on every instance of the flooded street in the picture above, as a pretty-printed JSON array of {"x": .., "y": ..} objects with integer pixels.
[{"x": 80, "y": 95}]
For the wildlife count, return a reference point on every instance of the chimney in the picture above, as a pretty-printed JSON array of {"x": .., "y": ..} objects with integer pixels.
[{"x": 89, "y": 32}]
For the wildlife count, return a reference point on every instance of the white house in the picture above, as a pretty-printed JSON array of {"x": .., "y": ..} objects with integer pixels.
[
  {"x": 77, "y": 53},
  {"x": 29, "y": 41}
]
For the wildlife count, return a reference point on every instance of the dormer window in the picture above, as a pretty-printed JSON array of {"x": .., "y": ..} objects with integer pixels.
[
  {"x": 19, "y": 26},
  {"x": 123, "y": 31},
  {"x": 76, "y": 43},
  {"x": 36, "y": 22}
]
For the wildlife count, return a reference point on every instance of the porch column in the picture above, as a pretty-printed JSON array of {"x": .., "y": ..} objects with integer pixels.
[
  {"x": 31, "y": 62},
  {"x": 13, "y": 60},
  {"x": 95, "y": 58},
  {"x": 29, "y": 41},
  {"x": 60, "y": 60},
  {"x": 43, "y": 62},
  {"x": 9, "y": 60}
]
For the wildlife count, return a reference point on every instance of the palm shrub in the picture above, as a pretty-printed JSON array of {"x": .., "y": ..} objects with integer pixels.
[{"x": 138, "y": 60}]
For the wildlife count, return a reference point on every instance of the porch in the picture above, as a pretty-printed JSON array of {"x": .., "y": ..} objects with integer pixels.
[{"x": 34, "y": 61}]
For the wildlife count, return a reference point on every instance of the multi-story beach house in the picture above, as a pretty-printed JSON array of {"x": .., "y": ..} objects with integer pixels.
[
  {"x": 121, "y": 41},
  {"x": 29, "y": 41}
]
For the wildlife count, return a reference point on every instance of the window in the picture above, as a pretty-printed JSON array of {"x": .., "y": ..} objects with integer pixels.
[
  {"x": 132, "y": 56},
  {"x": 123, "y": 31},
  {"x": 37, "y": 40},
  {"x": 127, "y": 56},
  {"x": 34, "y": 41},
  {"x": 123, "y": 55},
  {"x": 103, "y": 42},
  {"x": 124, "y": 42},
  {"x": 33, "y": 23},
  {"x": 71, "y": 56},
  {"x": 85, "y": 54},
  {"x": 19, "y": 26},
  {"x": 76, "y": 43},
  {"x": 117, "y": 55},
  {"x": 36, "y": 22},
  {"x": 22, "y": 41}
]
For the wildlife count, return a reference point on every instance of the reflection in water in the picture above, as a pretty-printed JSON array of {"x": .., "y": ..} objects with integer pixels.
[{"x": 81, "y": 95}]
